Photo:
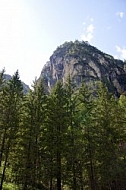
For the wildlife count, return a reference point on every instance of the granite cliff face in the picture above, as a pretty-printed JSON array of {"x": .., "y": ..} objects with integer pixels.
[{"x": 82, "y": 61}]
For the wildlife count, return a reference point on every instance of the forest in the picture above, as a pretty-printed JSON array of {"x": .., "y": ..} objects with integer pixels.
[{"x": 73, "y": 138}]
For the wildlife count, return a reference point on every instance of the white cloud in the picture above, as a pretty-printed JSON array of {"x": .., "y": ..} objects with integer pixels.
[
  {"x": 116, "y": 57},
  {"x": 121, "y": 52},
  {"x": 87, "y": 37},
  {"x": 120, "y": 14},
  {"x": 90, "y": 28},
  {"x": 88, "y": 34}
]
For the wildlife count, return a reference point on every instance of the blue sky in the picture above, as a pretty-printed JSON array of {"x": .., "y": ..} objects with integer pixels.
[{"x": 30, "y": 30}]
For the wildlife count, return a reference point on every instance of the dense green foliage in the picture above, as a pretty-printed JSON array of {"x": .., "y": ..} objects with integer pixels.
[{"x": 69, "y": 139}]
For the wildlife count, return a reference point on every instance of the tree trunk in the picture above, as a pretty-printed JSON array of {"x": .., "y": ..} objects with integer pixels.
[
  {"x": 81, "y": 176},
  {"x": 74, "y": 177},
  {"x": 50, "y": 185},
  {"x": 58, "y": 171},
  {"x": 92, "y": 180},
  {"x": 2, "y": 146},
  {"x": 5, "y": 164}
]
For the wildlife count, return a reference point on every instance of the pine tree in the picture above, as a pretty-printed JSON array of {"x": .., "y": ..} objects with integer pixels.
[
  {"x": 88, "y": 135},
  {"x": 28, "y": 167},
  {"x": 55, "y": 135},
  {"x": 2, "y": 85},
  {"x": 73, "y": 163},
  {"x": 12, "y": 96},
  {"x": 121, "y": 175},
  {"x": 109, "y": 124}
]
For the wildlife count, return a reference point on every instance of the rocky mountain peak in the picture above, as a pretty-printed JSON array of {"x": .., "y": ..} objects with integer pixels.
[{"x": 82, "y": 61}]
